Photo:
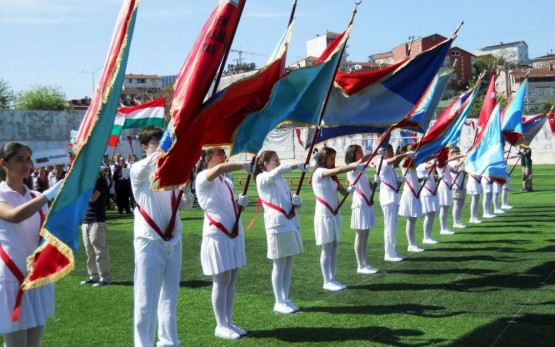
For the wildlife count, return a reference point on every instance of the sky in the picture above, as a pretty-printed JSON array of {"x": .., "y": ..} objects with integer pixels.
[{"x": 64, "y": 43}]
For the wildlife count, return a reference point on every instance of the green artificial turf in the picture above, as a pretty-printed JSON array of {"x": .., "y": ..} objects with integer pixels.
[{"x": 489, "y": 284}]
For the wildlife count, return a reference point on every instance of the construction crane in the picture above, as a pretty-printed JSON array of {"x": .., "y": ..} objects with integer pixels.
[{"x": 240, "y": 52}]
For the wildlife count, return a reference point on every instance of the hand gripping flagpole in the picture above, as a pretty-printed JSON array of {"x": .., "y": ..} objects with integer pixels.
[
  {"x": 253, "y": 160},
  {"x": 324, "y": 104}
]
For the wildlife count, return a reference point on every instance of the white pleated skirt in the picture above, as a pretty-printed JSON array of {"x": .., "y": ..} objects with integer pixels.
[
  {"x": 445, "y": 197},
  {"x": 284, "y": 244},
  {"x": 410, "y": 206},
  {"x": 473, "y": 188},
  {"x": 430, "y": 203},
  {"x": 327, "y": 229},
  {"x": 37, "y": 305},
  {"x": 363, "y": 217},
  {"x": 220, "y": 253}
]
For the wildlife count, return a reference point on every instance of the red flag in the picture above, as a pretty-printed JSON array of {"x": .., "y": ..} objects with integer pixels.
[
  {"x": 192, "y": 84},
  {"x": 226, "y": 110},
  {"x": 490, "y": 100},
  {"x": 551, "y": 119}
]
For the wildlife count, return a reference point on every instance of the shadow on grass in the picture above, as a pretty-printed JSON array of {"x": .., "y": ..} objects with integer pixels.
[
  {"x": 476, "y": 249},
  {"x": 477, "y": 272},
  {"x": 382, "y": 335},
  {"x": 474, "y": 242},
  {"x": 412, "y": 309},
  {"x": 526, "y": 330},
  {"x": 503, "y": 259},
  {"x": 194, "y": 284}
]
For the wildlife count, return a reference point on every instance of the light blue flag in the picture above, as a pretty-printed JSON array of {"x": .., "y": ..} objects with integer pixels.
[
  {"x": 512, "y": 114},
  {"x": 486, "y": 158},
  {"x": 297, "y": 98}
]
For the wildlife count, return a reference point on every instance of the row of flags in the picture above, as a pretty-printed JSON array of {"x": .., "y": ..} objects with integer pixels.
[{"x": 240, "y": 116}]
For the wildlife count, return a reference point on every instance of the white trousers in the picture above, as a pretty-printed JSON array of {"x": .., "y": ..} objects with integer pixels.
[
  {"x": 390, "y": 216},
  {"x": 157, "y": 275}
]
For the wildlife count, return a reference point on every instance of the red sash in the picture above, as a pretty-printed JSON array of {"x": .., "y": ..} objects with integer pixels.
[
  {"x": 455, "y": 181},
  {"x": 324, "y": 202},
  {"x": 19, "y": 275},
  {"x": 475, "y": 178},
  {"x": 232, "y": 234},
  {"x": 407, "y": 182},
  {"x": 16, "y": 272},
  {"x": 428, "y": 189},
  {"x": 488, "y": 181},
  {"x": 268, "y": 204},
  {"x": 168, "y": 233},
  {"x": 388, "y": 185},
  {"x": 361, "y": 193}
]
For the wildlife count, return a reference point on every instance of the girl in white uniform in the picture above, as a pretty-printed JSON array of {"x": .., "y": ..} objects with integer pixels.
[
  {"x": 389, "y": 200},
  {"x": 458, "y": 176},
  {"x": 410, "y": 206},
  {"x": 444, "y": 192},
  {"x": 474, "y": 189},
  {"x": 362, "y": 209},
  {"x": 428, "y": 199},
  {"x": 223, "y": 245},
  {"x": 282, "y": 225},
  {"x": 487, "y": 188},
  {"x": 327, "y": 220},
  {"x": 22, "y": 212}
]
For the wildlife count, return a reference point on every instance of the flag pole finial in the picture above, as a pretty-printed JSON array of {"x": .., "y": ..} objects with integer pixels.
[{"x": 458, "y": 28}]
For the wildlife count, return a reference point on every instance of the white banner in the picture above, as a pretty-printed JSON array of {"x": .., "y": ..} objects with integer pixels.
[{"x": 50, "y": 157}]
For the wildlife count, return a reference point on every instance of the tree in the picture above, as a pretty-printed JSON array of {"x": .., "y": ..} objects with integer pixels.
[
  {"x": 42, "y": 98},
  {"x": 6, "y": 95},
  {"x": 541, "y": 108}
]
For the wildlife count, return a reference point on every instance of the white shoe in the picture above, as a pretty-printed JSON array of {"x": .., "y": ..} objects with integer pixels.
[
  {"x": 506, "y": 207},
  {"x": 283, "y": 308},
  {"x": 294, "y": 307},
  {"x": 474, "y": 221},
  {"x": 342, "y": 286},
  {"x": 498, "y": 211},
  {"x": 367, "y": 270},
  {"x": 446, "y": 232},
  {"x": 238, "y": 330},
  {"x": 459, "y": 226},
  {"x": 415, "y": 249},
  {"x": 332, "y": 286},
  {"x": 489, "y": 215},
  {"x": 226, "y": 333},
  {"x": 394, "y": 258},
  {"x": 430, "y": 241}
]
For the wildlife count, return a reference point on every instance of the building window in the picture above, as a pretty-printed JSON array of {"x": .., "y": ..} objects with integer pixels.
[
  {"x": 552, "y": 91},
  {"x": 533, "y": 92},
  {"x": 455, "y": 53},
  {"x": 540, "y": 92}
]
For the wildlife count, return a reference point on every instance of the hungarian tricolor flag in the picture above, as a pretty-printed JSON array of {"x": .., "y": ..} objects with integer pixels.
[
  {"x": 150, "y": 113},
  {"x": 54, "y": 258},
  {"x": 193, "y": 82}
]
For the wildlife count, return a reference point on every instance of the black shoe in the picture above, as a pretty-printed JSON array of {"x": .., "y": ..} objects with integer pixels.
[
  {"x": 89, "y": 281},
  {"x": 101, "y": 284}
]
